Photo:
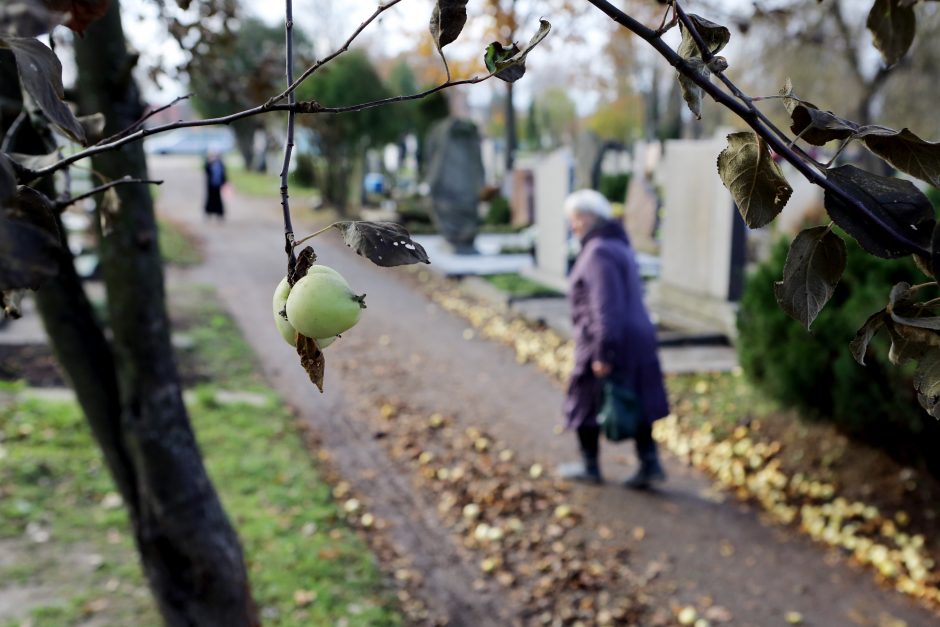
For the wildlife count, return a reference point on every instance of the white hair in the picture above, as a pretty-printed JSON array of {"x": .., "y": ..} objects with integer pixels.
[{"x": 588, "y": 201}]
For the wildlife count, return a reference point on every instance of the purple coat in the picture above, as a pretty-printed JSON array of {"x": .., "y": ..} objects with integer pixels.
[{"x": 611, "y": 324}]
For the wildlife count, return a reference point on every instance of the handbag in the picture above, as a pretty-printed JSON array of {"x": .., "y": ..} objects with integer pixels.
[{"x": 620, "y": 415}]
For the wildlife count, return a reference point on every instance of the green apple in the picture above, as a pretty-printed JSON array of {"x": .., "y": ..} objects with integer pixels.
[
  {"x": 322, "y": 305},
  {"x": 288, "y": 332},
  {"x": 326, "y": 341}
]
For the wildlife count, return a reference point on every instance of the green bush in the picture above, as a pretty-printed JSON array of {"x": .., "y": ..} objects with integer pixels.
[
  {"x": 500, "y": 212},
  {"x": 614, "y": 186},
  {"x": 815, "y": 373},
  {"x": 304, "y": 171}
]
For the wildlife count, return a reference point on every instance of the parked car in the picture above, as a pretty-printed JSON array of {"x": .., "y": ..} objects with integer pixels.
[{"x": 191, "y": 141}]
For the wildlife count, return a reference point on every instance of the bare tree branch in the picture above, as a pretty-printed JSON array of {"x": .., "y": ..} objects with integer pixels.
[
  {"x": 305, "y": 107},
  {"x": 60, "y": 205},
  {"x": 13, "y": 130},
  {"x": 136, "y": 125},
  {"x": 289, "y": 146},
  {"x": 393, "y": 99},
  {"x": 745, "y": 110},
  {"x": 293, "y": 85}
]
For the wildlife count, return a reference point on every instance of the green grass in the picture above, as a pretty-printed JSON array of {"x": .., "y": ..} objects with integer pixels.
[
  {"x": 722, "y": 399},
  {"x": 294, "y": 535},
  {"x": 219, "y": 351},
  {"x": 177, "y": 247},
  {"x": 260, "y": 184},
  {"x": 519, "y": 286}
]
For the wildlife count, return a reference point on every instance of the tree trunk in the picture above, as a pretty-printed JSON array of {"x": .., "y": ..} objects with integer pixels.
[
  {"x": 78, "y": 341},
  {"x": 189, "y": 550},
  {"x": 511, "y": 141},
  {"x": 245, "y": 141}
]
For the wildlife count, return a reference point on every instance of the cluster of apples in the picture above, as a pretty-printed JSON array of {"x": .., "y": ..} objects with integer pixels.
[{"x": 320, "y": 305}]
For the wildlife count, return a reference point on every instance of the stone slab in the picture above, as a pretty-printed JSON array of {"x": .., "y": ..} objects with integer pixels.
[{"x": 445, "y": 261}]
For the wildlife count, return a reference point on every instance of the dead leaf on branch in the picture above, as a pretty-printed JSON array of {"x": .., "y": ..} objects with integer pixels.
[
  {"x": 814, "y": 265},
  {"x": 305, "y": 260},
  {"x": 892, "y": 24},
  {"x": 312, "y": 360},
  {"x": 385, "y": 244},
  {"x": 864, "y": 336},
  {"x": 508, "y": 62},
  {"x": 755, "y": 181},
  {"x": 815, "y": 126},
  {"x": 447, "y": 21},
  {"x": 716, "y": 37},
  {"x": 897, "y": 204},
  {"x": 29, "y": 241},
  {"x": 905, "y": 151},
  {"x": 41, "y": 75}
]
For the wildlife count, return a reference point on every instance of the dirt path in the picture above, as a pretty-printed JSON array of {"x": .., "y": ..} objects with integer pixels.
[{"x": 709, "y": 550}]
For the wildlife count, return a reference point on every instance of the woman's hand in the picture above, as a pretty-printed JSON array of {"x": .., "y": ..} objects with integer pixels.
[{"x": 601, "y": 369}]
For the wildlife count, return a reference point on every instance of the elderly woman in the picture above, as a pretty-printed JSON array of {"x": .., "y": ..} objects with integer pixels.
[{"x": 614, "y": 338}]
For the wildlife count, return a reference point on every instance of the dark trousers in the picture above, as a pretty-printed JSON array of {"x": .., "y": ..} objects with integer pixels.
[{"x": 589, "y": 438}]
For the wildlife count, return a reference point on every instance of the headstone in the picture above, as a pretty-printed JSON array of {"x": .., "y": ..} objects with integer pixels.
[
  {"x": 587, "y": 149},
  {"x": 641, "y": 214},
  {"x": 455, "y": 176},
  {"x": 702, "y": 241},
  {"x": 553, "y": 179},
  {"x": 522, "y": 197}
]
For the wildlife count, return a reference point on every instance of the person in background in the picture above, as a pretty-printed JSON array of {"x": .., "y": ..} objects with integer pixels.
[
  {"x": 215, "y": 180},
  {"x": 613, "y": 336}
]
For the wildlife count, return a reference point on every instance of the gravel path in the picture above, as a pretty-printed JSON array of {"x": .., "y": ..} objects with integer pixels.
[{"x": 707, "y": 550}]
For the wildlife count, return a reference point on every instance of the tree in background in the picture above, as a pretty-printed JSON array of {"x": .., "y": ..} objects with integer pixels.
[
  {"x": 350, "y": 79},
  {"x": 245, "y": 67},
  {"x": 415, "y": 116},
  {"x": 507, "y": 17},
  {"x": 556, "y": 116},
  {"x": 863, "y": 88},
  {"x": 125, "y": 377}
]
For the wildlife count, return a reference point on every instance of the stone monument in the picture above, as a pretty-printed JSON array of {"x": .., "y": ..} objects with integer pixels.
[
  {"x": 455, "y": 176},
  {"x": 703, "y": 241},
  {"x": 641, "y": 214},
  {"x": 553, "y": 181}
]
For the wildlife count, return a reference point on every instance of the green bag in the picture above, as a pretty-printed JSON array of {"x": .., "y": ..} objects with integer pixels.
[{"x": 620, "y": 415}]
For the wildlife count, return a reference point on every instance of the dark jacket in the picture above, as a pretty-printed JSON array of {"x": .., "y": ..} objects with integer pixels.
[
  {"x": 215, "y": 180},
  {"x": 611, "y": 325}
]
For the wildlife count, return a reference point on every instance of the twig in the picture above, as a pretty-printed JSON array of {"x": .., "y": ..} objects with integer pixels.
[
  {"x": 708, "y": 55},
  {"x": 292, "y": 85},
  {"x": 13, "y": 130},
  {"x": 393, "y": 99},
  {"x": 311, "y": 236},
  {"x": 289, "y": 146},
  {"x": 307, "y": 107},
  {"x": 754, "y": 118},
  {"x": 136, "y": 125},
  {"x": 60, "y": 205}
]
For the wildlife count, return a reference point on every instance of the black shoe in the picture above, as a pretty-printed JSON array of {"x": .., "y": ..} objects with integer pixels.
[
  {"x": 584, "y": 472},
  {"x": 648, "y": 474}
]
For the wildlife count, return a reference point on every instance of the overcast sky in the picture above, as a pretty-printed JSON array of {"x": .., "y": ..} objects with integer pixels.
[{"x": 329, "y": 22}]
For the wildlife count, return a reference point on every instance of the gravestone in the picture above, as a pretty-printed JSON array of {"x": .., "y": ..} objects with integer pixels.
[
  {"x": 553, "y": 181},
  {"x": 522, "y": 197},
  {"x": 587, "y": 150},
  {"x": 641, "y": 213},
  {"x": 455, "y": 177},
  {"x": 703, "y": 241}
]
